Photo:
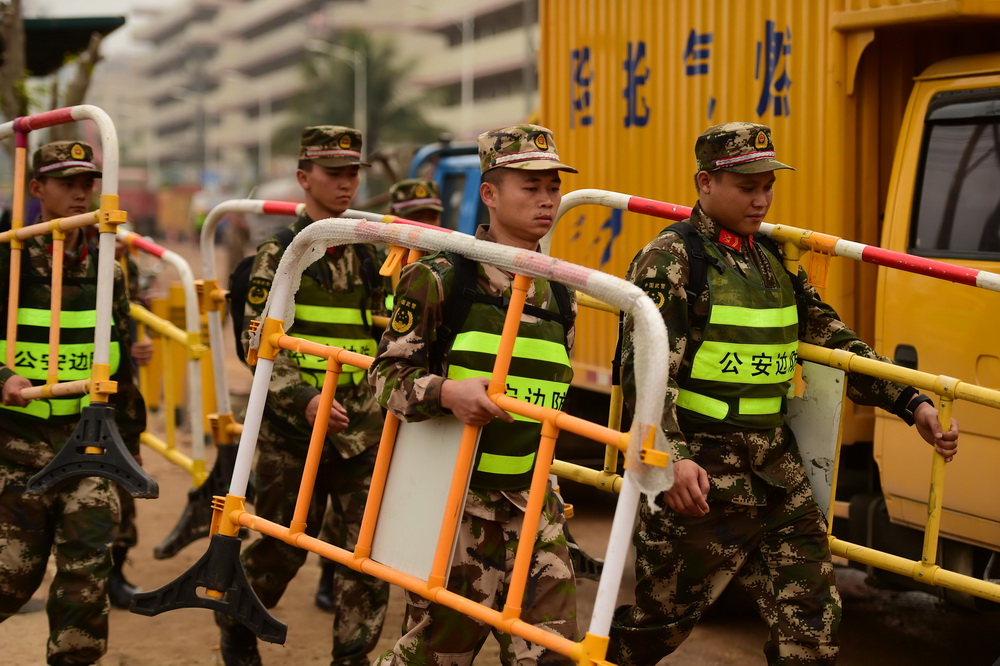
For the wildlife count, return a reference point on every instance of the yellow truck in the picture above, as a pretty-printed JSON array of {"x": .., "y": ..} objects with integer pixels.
[{"x": 890, "y": 112}]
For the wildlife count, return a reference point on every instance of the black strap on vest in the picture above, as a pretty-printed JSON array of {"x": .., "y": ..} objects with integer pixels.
[{"x": 464, "y": 293}]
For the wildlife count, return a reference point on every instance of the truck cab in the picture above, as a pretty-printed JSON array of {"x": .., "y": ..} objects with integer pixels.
[
  {"x": 455, "y": 168},
  {"x": 944, "y": 203}
]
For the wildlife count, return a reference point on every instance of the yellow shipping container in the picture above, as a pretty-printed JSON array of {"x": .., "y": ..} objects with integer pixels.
[{"x": 628, "y": 86}]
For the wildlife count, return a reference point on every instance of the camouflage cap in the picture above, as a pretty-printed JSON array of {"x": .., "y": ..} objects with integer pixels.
[
  {"x": 737, "y": 147},
  {"x": 331, "y": 146},
  {"x": 61, "y": 159},
  {"x": 519, "y": 147},
  {"x": 413, "y": 194}
]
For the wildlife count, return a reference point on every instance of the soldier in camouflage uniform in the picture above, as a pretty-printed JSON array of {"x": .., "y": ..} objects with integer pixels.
[
  {"x": 416, "y": 380},
  {"x": 416, "y": 199},
  {"x": 741, "y": 507},
  {"x": 334, "y": 305},
  {"x": 76, "y": 521}
]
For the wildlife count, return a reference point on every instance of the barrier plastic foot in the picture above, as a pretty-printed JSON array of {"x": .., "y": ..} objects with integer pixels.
[
  {"x": 110, "y": 459},
  {"x": 196, "y": 521},
  {"x": 219, "y": 569}
]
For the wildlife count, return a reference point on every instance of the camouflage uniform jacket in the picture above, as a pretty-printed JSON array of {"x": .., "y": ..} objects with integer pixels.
[
  {"x": 80, "y": 262},
  {"x": 401, "y": 375},
  {"x": 284, "y": 421},
  {"x": 662, "y": 269}
]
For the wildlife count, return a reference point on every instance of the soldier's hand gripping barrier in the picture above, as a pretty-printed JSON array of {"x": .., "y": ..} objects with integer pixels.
[
  {"x": 218, "y": 572},
  {"x": 96, "y": 449},
  {"x": 196, "y": 521}
]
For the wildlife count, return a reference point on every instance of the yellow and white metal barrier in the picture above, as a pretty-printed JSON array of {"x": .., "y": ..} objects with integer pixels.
[
  {"x": 795, "y": 242},
  {"x": 190, "y": 340},
  {"x": 103, "y": 453}
]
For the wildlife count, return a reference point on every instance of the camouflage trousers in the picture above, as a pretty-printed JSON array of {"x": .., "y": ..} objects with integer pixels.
[
  {"x": 270, "y": 564},
  {"x": 75, "y": 523},
  {"x": 778, "y": 553},
  {"x": 435, "y": 635}
]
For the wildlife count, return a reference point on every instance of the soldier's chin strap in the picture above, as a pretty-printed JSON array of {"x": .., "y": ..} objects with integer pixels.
[{"x": 96, "y": 449}]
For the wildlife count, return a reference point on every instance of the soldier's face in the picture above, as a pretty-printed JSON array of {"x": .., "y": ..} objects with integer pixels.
[
  {"x": 737, "y": 201},
  {"x": 329, "y": 190},
  {"x": 63, "y": 197},
  {"x": 523, "y": 205}
]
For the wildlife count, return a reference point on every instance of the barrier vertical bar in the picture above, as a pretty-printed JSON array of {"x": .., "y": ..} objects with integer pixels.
[{"x": 16, "y": 222}]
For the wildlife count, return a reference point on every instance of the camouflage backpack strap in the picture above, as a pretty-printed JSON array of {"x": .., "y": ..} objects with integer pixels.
[
  {"x": 457, "y": 304},
  {"x": 698, "y": 259}
]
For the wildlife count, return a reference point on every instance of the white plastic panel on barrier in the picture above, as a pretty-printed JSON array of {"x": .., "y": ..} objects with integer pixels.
[
  {"x": 416, "y": 493},
  {"x": 815, "y": 418}
]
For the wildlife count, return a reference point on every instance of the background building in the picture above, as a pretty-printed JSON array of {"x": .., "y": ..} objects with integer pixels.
[{"x": 198, "y": 99}]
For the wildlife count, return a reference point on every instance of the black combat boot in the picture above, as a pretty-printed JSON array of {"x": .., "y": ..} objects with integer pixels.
[
  {"x": 120, "y": 591},
  {"x": 237, "y": 644},
  {"x": 324, "y": 591}
]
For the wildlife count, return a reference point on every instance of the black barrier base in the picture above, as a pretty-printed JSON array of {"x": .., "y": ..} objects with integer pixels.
[
  {"x": 218, "y": 569},
  {"x": 96, "y": 429},
  {"x": 196, "y": 521}
]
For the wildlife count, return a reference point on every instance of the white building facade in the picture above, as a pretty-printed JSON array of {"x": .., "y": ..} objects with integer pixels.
[{"x": 201, "y": 100}]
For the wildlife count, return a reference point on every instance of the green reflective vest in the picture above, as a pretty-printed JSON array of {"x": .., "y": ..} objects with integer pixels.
[
  {"x": 742, "y": 368},
  {"x": 540, "y": 373},
  {"x": 340, "y": 319},
  {"x": 77, "y": 323}
]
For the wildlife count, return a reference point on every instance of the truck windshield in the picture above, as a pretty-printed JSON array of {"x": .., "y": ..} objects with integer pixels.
[{"x": 957, "y": 203}]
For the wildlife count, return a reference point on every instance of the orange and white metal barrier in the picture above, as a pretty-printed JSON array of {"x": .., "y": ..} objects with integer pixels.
[{"x": 646, "y": 470}]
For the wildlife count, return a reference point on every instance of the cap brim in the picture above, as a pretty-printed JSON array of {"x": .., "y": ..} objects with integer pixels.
[
  {"x": 537, "y": 165},
  {"x": 758, "y": 166},
  {"x": 413, "y": 209},
  {"x": 72, "y": 171},
  {"x": 339, "y": 162}
]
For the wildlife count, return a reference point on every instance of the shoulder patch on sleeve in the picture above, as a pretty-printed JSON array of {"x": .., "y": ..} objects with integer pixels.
[
  {"x": 656, "y": 289},
  {"x": 404, "y": 316},
  {"x": 257, "y": 293}
]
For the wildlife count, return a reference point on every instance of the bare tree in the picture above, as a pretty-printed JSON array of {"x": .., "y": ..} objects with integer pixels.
[
  {"x": 76, "y": 90},
  {"x": 13, "y": 79},
  {"x": 15, "y": 96}
]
